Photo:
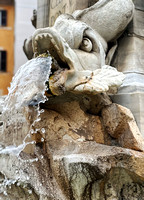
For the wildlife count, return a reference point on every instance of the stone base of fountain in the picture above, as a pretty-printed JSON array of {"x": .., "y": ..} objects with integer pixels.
[{"x": 71, "y": 157}]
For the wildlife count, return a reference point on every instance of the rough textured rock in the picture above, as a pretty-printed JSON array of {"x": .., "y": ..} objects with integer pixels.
[
  {"x": 129, "y": 59},
  {"x": 66, "y": 162},
  {"x": 105, "y": 173},
  {"x": 71, "y": 124},
  {"x": 120, "y": 124},
  {"x": 76, "y": 170},
  {"x": 58, "y": 120}
]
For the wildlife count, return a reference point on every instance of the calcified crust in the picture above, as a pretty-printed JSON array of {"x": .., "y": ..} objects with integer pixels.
[{"x": 80, "y": 50}]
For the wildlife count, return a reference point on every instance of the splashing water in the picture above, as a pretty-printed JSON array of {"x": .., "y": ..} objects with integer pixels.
[
  {"x": 27, "y": 89},
  {"x": 15, "y": 150},
  {"x": 28, "y": 85}
]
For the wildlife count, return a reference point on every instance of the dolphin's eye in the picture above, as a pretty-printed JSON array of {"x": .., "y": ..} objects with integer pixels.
[{"x": 86, "y": 45}]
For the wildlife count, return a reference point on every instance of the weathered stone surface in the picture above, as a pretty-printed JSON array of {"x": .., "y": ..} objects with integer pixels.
[
  {"x": 60, "y": 7},
  {"x": 66, "y": 162},
  {"x": 105, "y": 173},
  {"x": 59, "y": 121},
  {"x": 43, "y": 13},
  {"x": 67, "y": 121},
  {"x": 49, "y": 10},
  {"x": 129, "y": 59},
  {"x": 133, "y": 101},
  {"x": 69, "y": 170},
  {"x": 115, "y": 126},
  {"x": 102, "y": 20},
  {"x": 27, "y": 48},
  {"x": 120, "y": 124},
  {"x": 139, "y": 4},
  {"x": 15, "y": 190},
  {"x": 136, "y": 26}
]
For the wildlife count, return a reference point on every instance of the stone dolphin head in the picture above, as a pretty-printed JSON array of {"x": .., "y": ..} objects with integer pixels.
[
  {"x": 79, "y": 42},
  {"x": 71, "y": 42}
]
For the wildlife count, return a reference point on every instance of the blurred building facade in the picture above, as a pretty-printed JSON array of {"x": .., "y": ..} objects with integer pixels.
[
  {"x": 23, "y": 28},
  {"x": 15, "y": 26},
  {"x": 6, "y": 44}
]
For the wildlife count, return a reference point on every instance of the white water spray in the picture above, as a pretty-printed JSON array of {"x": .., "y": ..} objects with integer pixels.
[{"x": 27, "y": 89}]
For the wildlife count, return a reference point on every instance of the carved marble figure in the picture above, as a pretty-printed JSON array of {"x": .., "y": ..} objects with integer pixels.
[
  {"x": 79, "y": 44},
  {"x": 81, "y": 51},
  {"x": 82, "y": 46}
]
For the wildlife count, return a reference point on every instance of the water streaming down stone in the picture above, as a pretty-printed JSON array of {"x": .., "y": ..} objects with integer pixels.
[
  {"x": 28, "y": 85},
  {"x": 27, "y": 89}
]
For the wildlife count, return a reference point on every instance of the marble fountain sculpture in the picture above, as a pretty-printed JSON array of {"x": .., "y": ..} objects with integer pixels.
[{"x": 63, "y": 138}]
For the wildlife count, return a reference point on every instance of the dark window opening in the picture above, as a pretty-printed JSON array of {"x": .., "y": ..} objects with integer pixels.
[
  {"x": 3, "y": 58},
  {"x": 3, "y": 17}
]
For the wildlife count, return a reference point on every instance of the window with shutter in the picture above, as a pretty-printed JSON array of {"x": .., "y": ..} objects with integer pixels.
[
  {"x": 3, "y": 58},
  {"x": 3, "y": 18}
]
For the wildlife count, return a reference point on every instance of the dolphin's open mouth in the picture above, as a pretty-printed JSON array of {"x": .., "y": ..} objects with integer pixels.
[
  {"x": 48, "y": 40},
  {"x": 80, "y": 54},
  {"x": 72, "y": 43},
  {"x": 77, "y": 55}
]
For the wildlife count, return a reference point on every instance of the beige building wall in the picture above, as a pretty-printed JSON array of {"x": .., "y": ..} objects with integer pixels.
[
  {"x": 12, "y": 36},
  {"x": 7, "y": 45}
]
